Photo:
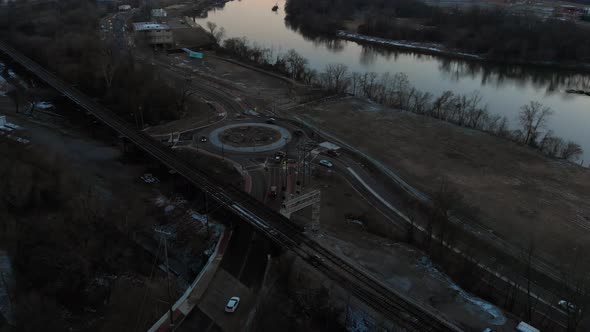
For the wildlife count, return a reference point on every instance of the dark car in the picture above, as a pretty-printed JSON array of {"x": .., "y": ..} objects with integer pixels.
[
  {"x": 332, "y": 153},
  {"x": 203, "y": 139}
]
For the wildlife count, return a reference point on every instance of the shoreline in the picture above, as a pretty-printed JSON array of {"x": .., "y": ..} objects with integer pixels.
[{"x": 439, "y": 49}]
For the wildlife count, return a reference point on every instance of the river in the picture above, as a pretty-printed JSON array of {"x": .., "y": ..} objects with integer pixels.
[{"x": 504, "y": 88}]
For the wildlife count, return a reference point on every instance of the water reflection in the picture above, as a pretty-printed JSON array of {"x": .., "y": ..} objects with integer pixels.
[
  {"x": 539, "y": 78},
  {"x": 505, "y": 88},
  {"x": 495, "y": 74}
]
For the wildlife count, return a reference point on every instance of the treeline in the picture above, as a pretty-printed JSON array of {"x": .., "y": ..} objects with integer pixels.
[
  {"x": 290, "y": 64},
  {"x": 64, "y": 38},
  {"x": 466, "y": 110},
  {"x": 396, "y": 91},
  {"x": 496, "y": 33}
]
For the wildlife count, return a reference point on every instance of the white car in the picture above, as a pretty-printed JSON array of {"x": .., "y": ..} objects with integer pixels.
[
  {"x": 326, "y": 163},
  {"x": 232, "y": 304}
]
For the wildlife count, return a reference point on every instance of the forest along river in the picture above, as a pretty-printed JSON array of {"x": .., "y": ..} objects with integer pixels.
[{"x": 504, "y": 88}]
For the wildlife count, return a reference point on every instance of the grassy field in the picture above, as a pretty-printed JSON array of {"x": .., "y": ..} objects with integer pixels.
[{"x": 520, "y": 194}]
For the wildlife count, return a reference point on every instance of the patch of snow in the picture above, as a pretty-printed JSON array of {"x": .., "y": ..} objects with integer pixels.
[
  {"x": 358, "y": 322},
  {"x": 12, "y": 126},
  {"x": 18, "y": 139},
  {"x": 252, "y": 112},
  {"x": 160, "y": 201},
  {"x": 435, "y": 48},
  {"x": 169, "y": 208},
  {"x": 199, "y": 217},
  {"x": 372, "y": 108},
  {"x": 44, "y": 105},
  {"x": 149, "y": 178},
  {"x": 3, "y": 83},
  {"x": 5, "y": 278},
  {"x": 494, "y": 312}
]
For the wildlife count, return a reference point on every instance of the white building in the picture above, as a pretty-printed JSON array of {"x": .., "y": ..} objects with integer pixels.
[
  {"x": 155, "y": 34},
  {"x": 159, "y": 12}
]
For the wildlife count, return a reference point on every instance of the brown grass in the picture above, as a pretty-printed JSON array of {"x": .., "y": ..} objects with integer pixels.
[{"x": 520, "y": 193}]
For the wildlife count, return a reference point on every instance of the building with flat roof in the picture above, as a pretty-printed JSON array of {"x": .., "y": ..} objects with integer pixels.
[
  {"x": 154, "y": 34},
  {"x": 159, "y": 12},
  {"x": 150, "y": 26}
]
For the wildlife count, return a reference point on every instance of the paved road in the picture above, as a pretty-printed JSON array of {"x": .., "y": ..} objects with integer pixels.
[
  {"x": 280, "y": 143},
  {"x": 394, "y": 305}
]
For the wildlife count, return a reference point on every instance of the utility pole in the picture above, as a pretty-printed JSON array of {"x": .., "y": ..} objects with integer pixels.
[
  {"x": 141, "y": 116},
  {"x": 207, "y": 214},
  {"x": 165, "y": 237}
]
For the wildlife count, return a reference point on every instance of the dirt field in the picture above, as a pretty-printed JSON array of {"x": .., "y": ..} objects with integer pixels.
[
  {"x": 410, "y": 272},
  {"x": 520, "y": 194},
  {"x": 348, "y": 224},
  {"x": 263, "y": 91},
  {"x": 345, "y": 211}
]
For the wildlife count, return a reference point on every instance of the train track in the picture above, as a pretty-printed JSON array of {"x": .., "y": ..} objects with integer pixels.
[{"x": 400, "y": 309}]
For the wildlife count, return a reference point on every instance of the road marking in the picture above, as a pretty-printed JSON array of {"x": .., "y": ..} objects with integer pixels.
[{"x": 381, "y": 199}]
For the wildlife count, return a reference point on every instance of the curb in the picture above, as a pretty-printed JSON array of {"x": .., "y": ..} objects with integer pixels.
[{"x": 187, "y": 302}]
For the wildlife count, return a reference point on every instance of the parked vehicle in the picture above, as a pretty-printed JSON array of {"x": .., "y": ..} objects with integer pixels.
[
  {"x": 279, "y": 155},
  {"x": 332, "y": 153},
  {"x": 326, "y": 163},
  {"x": 232, "y": 304},
  {"x": 298, "y": 132},
  {"x": 273, "y": 191},
  {"x": 566, "y": 305},
  {"x": 271, "y": 120}
]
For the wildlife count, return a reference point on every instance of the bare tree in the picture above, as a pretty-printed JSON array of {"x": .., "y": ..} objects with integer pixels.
[
  {"x": 336, "y": 77},
  {"x": 402, "y": 90},
  {"x": 420, "y": 102},
  {"x": 552, "y": 146},
  {"x": 442, "y": 104},
  {"x": 108, "y": 65},
  {"x": 355, "y": 80},
  {"x": 183, "y": 92},
  {"x": 502, "y": 129},
  {"x": 368, "y": 84},
  {"x": 17, "y": 96},
  {"x": 296, "y": 64},
  {"x": 533, "y": 117},
  {"x": 571, "y": 151},
  {"x": 217, "y": 34},
  {"x": 211, "y": 26}
]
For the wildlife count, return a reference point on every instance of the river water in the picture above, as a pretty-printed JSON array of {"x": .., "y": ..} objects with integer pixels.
[{"x": 504, "y": 88}]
